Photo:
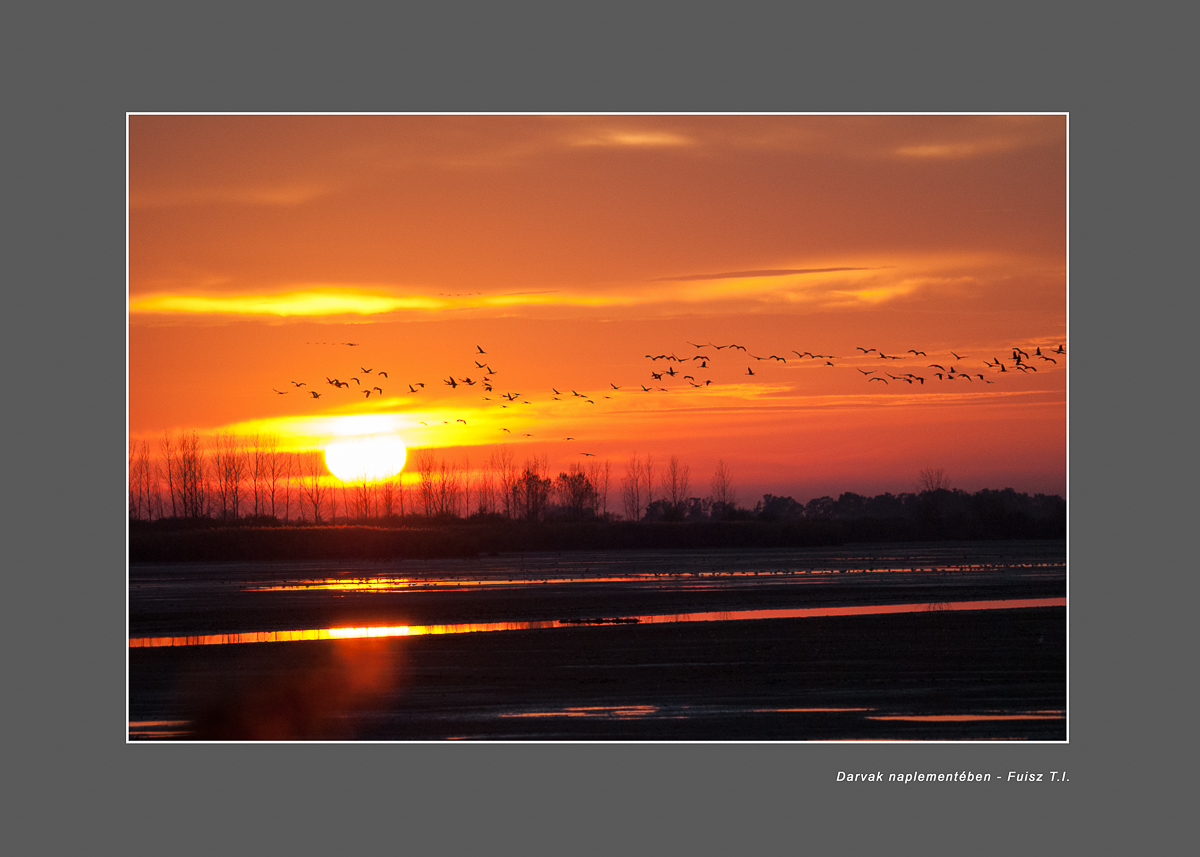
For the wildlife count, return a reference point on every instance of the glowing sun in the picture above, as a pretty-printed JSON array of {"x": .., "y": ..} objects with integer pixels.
[{"x": 372, "y": 457}]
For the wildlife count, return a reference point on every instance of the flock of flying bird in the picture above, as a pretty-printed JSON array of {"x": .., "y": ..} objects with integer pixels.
[{"x": 682, "y": 369}]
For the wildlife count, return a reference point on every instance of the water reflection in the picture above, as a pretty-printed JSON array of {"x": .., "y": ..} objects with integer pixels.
[
  {"x": 620, "y": 712},
  {"x": 1028, "y": 715},
  {"x": 158, "y": 728},
  {"x": 669, "y": 712},
  {"x": 721, "y": 616},
  {"x": 692, "y": 578}
]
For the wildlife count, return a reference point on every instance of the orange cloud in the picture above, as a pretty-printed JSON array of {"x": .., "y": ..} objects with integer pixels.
[
  {"x": 824, "y": 287},
  {"x": 264, "y": 195},
  {"x": 309, "y": 302},
  {"x": 637, "y": 139}
]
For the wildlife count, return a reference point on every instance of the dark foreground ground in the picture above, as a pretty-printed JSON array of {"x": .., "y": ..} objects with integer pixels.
[
  {"x": 688, "y": 681},
  {"x": 976, "y": 675}
]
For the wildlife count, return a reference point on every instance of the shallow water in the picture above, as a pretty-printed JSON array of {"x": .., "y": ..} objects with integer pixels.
[
  {"x": 482, "y": 627},
  {"x": 587, "y": 674}
]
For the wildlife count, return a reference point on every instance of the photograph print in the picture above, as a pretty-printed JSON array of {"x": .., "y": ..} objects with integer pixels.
[{"x": 597, "y": 428}]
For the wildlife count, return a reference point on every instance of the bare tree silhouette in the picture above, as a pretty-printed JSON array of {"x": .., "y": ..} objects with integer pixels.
[
  {"x": 313, "y": 488},
  {"x": 258, "y": 476},
  {"x": 485, "y": 486},
  {"x": 192, "y": 479},
  {"x": 229, "y": 459},
  {"x": 649, "y": 470},
  {"x": 290, "y": 467},
  {"x": 723, "y": 495},
  {"x": 387, "y": 495},
  {"x": 600, "y": 472},
  {"x": 425, "y": 468},
  {"x": 168, "y": 459},
  {"x": 531, "y": 494},
  {"x": 140, "y": 480},
  {"x": 466, "y": 486},
  {"x": 502, "y": 462},
  {"x": 631, "y": 487},
  {"x": 675, "y": 484},
  {"x": 933, "y": 479},
  {"x": 274, "y": 466}
]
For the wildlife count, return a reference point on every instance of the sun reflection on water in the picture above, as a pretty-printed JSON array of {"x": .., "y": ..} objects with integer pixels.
[{"x": 468, "y": 628}]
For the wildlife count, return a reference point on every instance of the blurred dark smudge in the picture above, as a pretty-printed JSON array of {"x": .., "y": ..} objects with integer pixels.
[{"x": 315, "y": 697}]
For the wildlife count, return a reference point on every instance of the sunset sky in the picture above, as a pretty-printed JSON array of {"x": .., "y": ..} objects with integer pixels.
[{"x": 569, "y": 248}]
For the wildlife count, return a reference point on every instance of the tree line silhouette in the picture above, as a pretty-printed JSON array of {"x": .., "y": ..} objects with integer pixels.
[{"x": 229, "y": 484}]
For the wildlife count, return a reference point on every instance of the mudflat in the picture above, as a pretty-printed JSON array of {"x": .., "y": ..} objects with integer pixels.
[
  {"x": 935, "y": 674},
  {"x": 799, "y": 679}
]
